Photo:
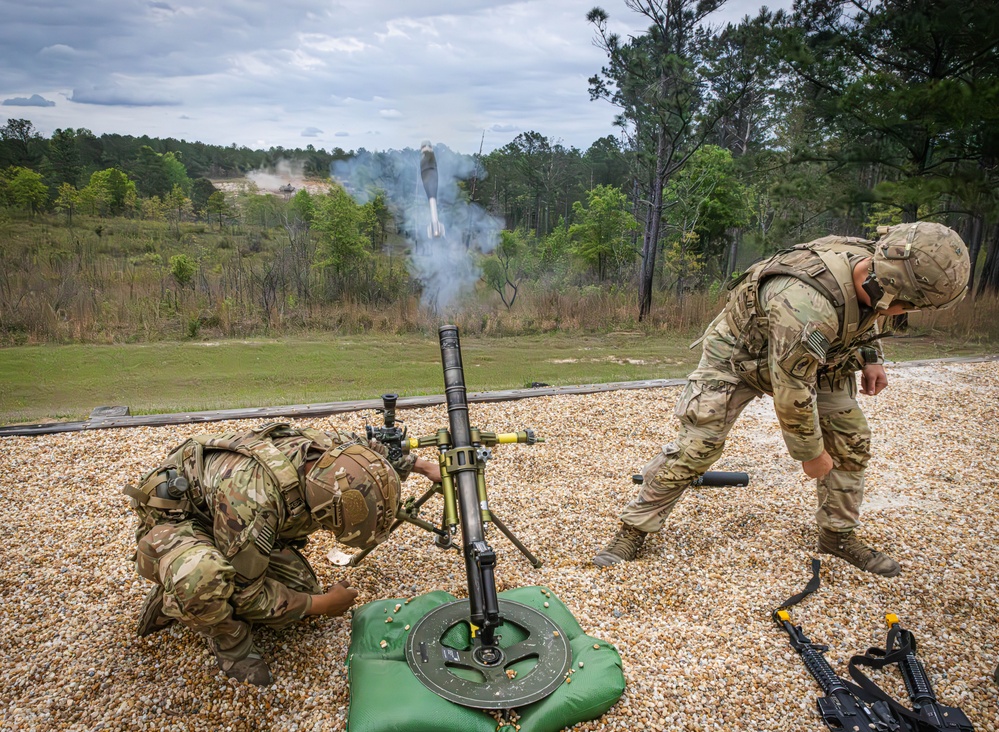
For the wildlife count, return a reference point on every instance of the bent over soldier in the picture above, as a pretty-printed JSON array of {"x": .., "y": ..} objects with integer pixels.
[
  {"x": 223, "y": 519},
  {"x": 798, "y": 326}
]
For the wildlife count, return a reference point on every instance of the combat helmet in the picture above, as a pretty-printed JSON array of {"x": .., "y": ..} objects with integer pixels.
[
  {"x": 353, "y": 492},
  {"x": 923, "y": 264}
]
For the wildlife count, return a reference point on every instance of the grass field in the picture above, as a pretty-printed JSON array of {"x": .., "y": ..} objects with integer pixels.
[{"x": 40, "y": 383}]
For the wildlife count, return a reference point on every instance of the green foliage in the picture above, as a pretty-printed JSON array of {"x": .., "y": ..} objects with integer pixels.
[
  {"x": 302, "y": 206},
  {"x": 554, "y": 250},
  {"x": 902, "y": 85},
  {"x": 67, "y": 200},
  {"x": 533, "y": 179},
  {"x": 150, "y": 173},
  {"x": 109, "y": 193},
  {"x": 261, "y": 210},
  {"x": 503, "y": 269},
  {"x": 201, "y": 190},
  {"x": 25, "y": 189},
  {"x": 182, "y": 269},
  {"x": 882, "y": 215},
  {"x": 704, "y": 201},
  {"x": 375, "y": 220},
  {"x": 608, "y": 163},
  {"x": 175, "y": 171},
  {"x": 20, "y": 144},
  {"x": 218, "y": 204},
  {"x": 152, "y": 209},
  {"x": 341, "y": 246},
  {"x": 601, "y": 234},
  {"x": 63, "y": 162}
]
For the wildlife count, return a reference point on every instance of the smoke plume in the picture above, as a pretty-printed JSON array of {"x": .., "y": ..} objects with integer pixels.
[
  {"x": 271, "y": 179},
  {"x": 445, "y": 266}
]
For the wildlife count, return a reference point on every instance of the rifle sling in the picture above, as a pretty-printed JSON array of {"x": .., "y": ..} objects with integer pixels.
[
  {"x": 812, "y": 586},
  {"x": 865, "y": 689}
]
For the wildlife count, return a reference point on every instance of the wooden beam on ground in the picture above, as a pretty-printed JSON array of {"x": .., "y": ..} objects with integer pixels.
[{"x": 324, "y": 410}]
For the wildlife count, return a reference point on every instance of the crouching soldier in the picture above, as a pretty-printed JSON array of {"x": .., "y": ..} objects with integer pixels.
[
  {"x": 223, "y": 518},
  {"x": 798, "y": 326}
]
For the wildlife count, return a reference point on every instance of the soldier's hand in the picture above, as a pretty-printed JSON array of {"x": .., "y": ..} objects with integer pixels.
[
  {"x": 336, "y": 601},
  {"x": 818, "y": 467},
  {"x": 873, "y": 379},
  {"x": 378, "y": 447},
  {"x": 429, "y": 468}
]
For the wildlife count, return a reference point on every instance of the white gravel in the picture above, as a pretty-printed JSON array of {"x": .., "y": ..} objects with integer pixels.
[{"x": 691, "y": 618}]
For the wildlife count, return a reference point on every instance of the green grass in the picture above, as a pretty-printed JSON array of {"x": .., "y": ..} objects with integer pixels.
[{"x": 39, "y": 383}]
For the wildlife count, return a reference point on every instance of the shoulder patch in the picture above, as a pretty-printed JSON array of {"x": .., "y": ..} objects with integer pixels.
[{"x": 799, "y": 369}]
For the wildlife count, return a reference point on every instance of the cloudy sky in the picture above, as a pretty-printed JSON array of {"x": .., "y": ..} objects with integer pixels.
[{"x": 378, "y": 74}]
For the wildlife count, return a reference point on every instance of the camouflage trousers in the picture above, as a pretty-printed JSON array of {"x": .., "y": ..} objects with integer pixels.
[
  {"x": 707, "y": 409},
  {"x": 200, "y": 588}
]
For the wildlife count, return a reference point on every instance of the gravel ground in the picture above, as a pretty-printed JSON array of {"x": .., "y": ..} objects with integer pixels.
[{"x": 691, "y": 618}]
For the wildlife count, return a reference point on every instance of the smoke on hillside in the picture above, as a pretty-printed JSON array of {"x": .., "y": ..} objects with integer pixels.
[{"x": 446, "y": 265}]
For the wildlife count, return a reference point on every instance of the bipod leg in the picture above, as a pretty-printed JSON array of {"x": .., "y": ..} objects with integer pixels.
[
  {"x": 444, "y": 540},
  {"x": 435, "y": 488},
  {"x": 535, "y": 562},
  {"x": 405, "y": 514}
]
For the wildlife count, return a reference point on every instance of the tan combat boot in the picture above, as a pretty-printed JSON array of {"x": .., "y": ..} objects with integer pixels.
[
  {"x": 624, "y": 547},
  {"x": 249, "y": 667},
  {"x": 151, "y": 617},
  {"x": 845, "y": 545}
]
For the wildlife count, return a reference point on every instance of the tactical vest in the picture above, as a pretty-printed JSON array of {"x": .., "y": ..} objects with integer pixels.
[
  {"x": 188, "y": 460},
  {"x": 821, "y": 265}
]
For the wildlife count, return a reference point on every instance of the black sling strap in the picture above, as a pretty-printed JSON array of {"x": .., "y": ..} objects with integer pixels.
[
  {"x": 899, "y": 644},
  {"x": 812, "y": 586}
]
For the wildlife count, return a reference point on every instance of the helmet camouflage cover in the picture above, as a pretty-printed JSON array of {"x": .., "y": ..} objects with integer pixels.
[
  {"x": 923, "y": 264},
  {"x": 354, "y": 492}
]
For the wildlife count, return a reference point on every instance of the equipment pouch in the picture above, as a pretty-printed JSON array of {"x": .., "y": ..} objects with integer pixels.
[
  {"x": 150, "y": 508},
  {"x": 756, "y": 373},
  {"x": 166, "y": 541},
  {"x": 147, "y": 563}
]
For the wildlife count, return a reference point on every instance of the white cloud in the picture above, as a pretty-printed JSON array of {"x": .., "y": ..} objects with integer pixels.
[
  {"x": 384, "y": 72},
  {"x": 328, "y": 44},
  {"x": 59, "y": 49}
]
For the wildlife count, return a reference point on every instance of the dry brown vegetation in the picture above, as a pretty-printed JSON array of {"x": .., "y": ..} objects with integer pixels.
[{"x": 114, "y": 281}]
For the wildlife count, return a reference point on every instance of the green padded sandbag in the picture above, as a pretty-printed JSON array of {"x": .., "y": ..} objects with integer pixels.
[{"x": 385, "y": 696}]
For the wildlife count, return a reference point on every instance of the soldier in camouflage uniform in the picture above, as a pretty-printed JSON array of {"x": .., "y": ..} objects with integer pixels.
[
  {"x": 223, "y": 519},
  {"x": 798, "y": 326}
]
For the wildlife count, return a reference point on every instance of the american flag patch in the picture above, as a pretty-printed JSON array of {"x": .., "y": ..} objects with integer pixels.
[
  {"x": 265, "y": 539},
  {"x": 817, "y": 344}
]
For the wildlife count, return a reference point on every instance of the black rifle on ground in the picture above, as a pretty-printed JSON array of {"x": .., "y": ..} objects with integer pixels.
[
  {"x": 840, "y": 708},
  {"x": 863, "y": 705},
  {"x": 927, "y": 714}
]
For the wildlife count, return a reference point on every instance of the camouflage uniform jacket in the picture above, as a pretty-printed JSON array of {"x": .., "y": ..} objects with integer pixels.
[
  {"x": 246, "y": 491},
  {"x": 793, "y": 323}
]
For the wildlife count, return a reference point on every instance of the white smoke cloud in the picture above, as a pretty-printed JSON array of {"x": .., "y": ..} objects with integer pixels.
[
  {"x": 285, "y": 173},
  {"x": 445, "y": 265}
]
